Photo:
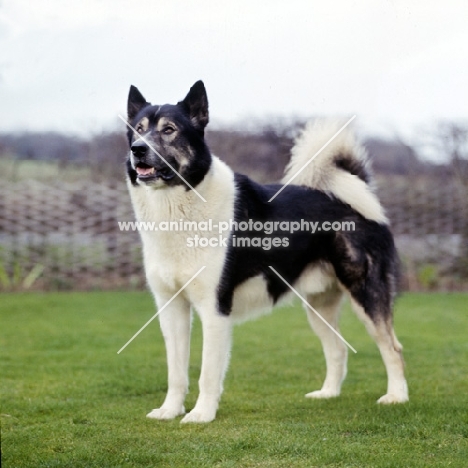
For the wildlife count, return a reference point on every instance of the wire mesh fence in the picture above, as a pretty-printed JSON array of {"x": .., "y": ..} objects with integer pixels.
[{"x": 67, "y": 236}]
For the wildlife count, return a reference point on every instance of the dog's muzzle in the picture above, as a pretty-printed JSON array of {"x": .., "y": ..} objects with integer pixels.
[{"x": 144, "y": 169}]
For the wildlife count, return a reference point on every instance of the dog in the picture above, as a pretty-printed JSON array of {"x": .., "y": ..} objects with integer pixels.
[{"x": 173, "y": 177}]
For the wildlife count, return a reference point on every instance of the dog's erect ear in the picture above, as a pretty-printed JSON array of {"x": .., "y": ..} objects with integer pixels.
[
  {"x": 196, "y": 104},
  {"x": 136, "y": 102}
]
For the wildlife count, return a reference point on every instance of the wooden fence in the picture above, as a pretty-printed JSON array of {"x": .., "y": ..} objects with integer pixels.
[
  {"x": 67, "y": 236},
  {"x": 71, "y": 232}
]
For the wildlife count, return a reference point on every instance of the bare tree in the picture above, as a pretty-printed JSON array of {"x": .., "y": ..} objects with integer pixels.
[{"x": 451, "y": 140}]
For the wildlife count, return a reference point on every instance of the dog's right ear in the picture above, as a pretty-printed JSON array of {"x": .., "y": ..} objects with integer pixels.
[
  {"x": 196, "y": 104},
  {"x": 136, "y": 102}
]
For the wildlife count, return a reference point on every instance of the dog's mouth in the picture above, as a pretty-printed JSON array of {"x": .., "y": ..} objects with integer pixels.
[{"x": 146, "y": 172}]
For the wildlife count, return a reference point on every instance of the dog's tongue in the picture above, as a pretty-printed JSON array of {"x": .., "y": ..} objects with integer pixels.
[{"x": 144, "y": 171}]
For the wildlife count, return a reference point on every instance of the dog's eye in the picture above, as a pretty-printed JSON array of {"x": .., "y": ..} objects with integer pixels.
[
  {"x": 168, "y": 130},
  {"x": 139, "y": 129}
]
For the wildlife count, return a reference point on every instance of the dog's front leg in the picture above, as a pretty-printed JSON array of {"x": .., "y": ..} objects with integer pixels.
[
  {"x": 175, "y": 324},
  {"x": 217, "y": 336}
]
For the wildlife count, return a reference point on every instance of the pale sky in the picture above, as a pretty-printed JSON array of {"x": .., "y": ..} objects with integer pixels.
[{"x": 67, "y": 65}]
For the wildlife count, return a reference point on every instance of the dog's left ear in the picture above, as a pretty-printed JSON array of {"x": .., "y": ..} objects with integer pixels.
[
  {"x": 196, "y": 104},
  {"x": 135, "y": 103}
]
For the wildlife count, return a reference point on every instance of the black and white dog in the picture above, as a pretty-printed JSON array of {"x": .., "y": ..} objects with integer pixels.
[{"x": 173, "y": 177}]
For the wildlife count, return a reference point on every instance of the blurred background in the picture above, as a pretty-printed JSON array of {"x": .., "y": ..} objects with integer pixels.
[{"x": 65, "y": 71}]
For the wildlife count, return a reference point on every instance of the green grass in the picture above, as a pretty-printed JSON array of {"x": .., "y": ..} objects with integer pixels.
[
  {"x": 68, "y": 400},
  {"x": 16, "y": 170}
]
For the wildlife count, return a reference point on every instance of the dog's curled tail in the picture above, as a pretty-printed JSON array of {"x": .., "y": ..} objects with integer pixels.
[{"x": 338, "y": 167}]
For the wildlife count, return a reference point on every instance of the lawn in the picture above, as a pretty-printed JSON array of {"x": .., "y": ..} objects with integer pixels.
[{"x": 68, "y": 399}]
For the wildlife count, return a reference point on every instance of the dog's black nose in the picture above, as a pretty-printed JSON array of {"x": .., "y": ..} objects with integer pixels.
[{"x": 139, "y": 149}]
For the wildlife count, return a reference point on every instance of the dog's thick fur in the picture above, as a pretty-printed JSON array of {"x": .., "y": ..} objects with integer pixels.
[{"x": 237, "y": 282}]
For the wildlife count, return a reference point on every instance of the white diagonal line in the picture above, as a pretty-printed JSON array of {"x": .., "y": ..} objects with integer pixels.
[
  {"x": 161, "y": 309},
  {"x": 312, "y": 309},
  {"x": 312, "y": 158},
  {"x": 158, "y": 154}
]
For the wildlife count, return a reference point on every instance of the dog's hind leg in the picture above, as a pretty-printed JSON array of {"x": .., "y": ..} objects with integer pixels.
[
  {"x": 328, "y": 305},
  {"x": 367, "y": 268},
  {"x": 175, "y": 322},
  {"x": 380, "y": 327}
]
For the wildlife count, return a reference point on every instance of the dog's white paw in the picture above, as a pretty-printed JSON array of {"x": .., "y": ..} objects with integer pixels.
[
  {"x": 165, "y": 413},
  {"x": 199, "y": 417},
  {"x": 322, "y": 394},
  {"x": 391, "y": 398}
]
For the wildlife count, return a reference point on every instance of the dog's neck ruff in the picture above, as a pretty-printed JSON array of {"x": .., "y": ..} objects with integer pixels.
[{"x": 175, "y": 203}]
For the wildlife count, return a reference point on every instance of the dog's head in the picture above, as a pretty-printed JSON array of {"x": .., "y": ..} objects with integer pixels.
[{"x": 167, "y": 146}]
